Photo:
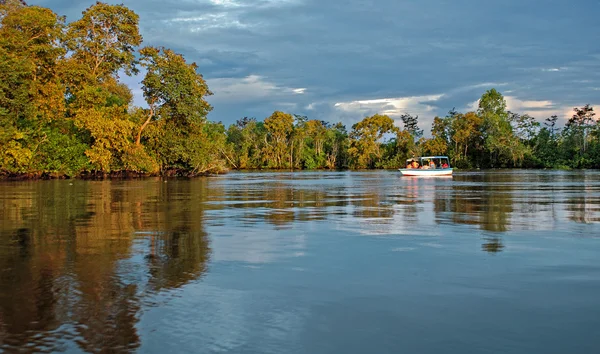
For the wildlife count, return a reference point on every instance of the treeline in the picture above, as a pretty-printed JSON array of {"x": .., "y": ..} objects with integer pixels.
[{"x": 64, "y": 112}]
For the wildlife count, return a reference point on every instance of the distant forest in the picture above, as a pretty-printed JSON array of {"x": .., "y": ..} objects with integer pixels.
[{"x": 64, "y": 113}]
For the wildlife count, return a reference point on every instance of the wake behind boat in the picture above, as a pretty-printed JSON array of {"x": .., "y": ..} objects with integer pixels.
[{"x": 427, "y": 166}]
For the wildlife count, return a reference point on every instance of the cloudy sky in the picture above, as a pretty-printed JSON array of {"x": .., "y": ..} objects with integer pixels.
[{"x": 340, "y": 60}]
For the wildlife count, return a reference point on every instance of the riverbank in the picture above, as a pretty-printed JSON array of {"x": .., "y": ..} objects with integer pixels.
[{"x": 96, "y": 175}]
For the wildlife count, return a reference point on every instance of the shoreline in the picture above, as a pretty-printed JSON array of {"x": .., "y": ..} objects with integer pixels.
[{"x": 132, "y": 175}]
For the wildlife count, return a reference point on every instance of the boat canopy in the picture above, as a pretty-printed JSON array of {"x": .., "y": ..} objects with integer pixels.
[
  {"x": 427, "y": 166},
  {"x": 437, "y": 159}
]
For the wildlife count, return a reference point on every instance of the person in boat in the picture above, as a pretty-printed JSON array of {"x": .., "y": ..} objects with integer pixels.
[
  {"x": 431, "y": 164},
  {"x": 445, "y": 165},
  {"x": 409, "y": 164},
  {"x": 415, "y": 164}
]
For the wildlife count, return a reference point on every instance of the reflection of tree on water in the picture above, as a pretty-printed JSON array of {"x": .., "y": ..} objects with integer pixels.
[
  {"x": 493, "y": 245},
  {"x": 105, "y": 313},
  {"x": 62, "y": 259},
  {"x": 583, "y": 205},
  {"x": 178, "y": 253},
  {"x": 283, "y": 204},
  {"x": 27, "y": 300},
  {"x": 370, "y": 206},
  {"x": 488, "y": 205},
  {"x": 176, "y": 258}
]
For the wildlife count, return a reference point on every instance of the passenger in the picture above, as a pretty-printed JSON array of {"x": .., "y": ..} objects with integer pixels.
[
  {"x": 431, "y": 164},
  {"x": 415, "y": 164},
  {"x": 445, "y": 165},
  {"x": 408, "y": 165}
]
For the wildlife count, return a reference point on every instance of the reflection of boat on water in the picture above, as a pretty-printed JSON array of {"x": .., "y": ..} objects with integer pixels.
[{"x": 425, "y": 166}]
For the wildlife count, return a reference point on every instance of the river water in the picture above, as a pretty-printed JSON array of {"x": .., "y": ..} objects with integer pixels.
[{"x": 303, "y": 262}]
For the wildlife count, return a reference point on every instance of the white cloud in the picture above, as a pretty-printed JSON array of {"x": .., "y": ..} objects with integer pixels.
[
  {"x": 515, "y": 104},
  {"x": 210, "y": 21},
  {"x": 393, "y": 107},
  {"x": 487, "y": 85},
  {"x": 249, "y": 88},
  {"x": 554, "y": 69},
  {"x": 535, "y": 108},
  {"x": 226, "y": 3},
  {"x": 539, "y": 109}
]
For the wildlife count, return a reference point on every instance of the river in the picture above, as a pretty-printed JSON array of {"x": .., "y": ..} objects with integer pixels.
[{"x": 303, "y": 262}]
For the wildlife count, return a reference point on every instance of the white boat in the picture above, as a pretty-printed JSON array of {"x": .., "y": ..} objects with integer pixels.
[{"x": 427, "y": 166}]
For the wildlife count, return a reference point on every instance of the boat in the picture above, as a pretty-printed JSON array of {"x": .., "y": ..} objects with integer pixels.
[{"x": 425, "y": 166}]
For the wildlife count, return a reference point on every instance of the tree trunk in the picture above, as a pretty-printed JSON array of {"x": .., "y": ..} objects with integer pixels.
[{"x": 138, "y": 139}]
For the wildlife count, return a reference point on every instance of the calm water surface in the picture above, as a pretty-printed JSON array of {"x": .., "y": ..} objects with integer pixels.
[{"x": 304, "y": 262}]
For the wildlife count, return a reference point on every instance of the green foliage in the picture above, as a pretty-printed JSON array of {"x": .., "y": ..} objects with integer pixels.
[
  {"x": 207, "y": 150},
  {"x": 136, "y": 159},
  {"x": 104, "y": 39},
  {"x": 172, "y": 88},
  {"x": 365, "y": 140},
  {"x": 64, "y": 112},
  {"x": 277, "y": 148},
  {"x": 411, "y": 125},
  {"x": 61, "y": 154}
]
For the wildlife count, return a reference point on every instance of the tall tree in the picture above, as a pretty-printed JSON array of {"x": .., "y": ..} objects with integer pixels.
[
  {"x": 411, "y": 125},
  {"x": 500, "y": 142},
  {"x": 551, "y": 124},
  {"x": 173, "y": 89},
  {"x": 466, "y": 133},
  {"x": 525, "y": 126},
  {"x": 31, "y": 92},
  {"x": 582, "y": 120},
  {"x": 175, "y": 93},
  {"x": 279, "y": 126},
  {"x": 336, "y": 146},
  {"x": 105, "y": 39},
  {"x": 365, "y": 140}
]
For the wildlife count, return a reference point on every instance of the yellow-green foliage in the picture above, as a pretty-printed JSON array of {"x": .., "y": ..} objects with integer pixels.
[
  {"x": 64, "y": 111},
  {"x": 43, "y": 61}
]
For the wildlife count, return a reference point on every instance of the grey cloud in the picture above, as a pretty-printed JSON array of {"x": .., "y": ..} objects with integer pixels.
[{"x": 352, "y": 50}]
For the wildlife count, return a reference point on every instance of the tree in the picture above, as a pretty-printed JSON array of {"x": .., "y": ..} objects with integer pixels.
[
  {"x": 581, "y": 122},
  {"x": 175, "y": 93},
  {"x": 465, "y": 133},
  {"x": 247, "y": 138},
  {"x": 30, "y": 89},
  {"x": 492, "y": 103},
  {"x": 336, "y": 146},
  {"x": 301, "y": 155},
  {"x": 551, "y": 124},
  {"x": 279, "y": 127},
  {"x": 500, "y": 142},
  {"x": 104, "y": 39},
  {"x": 7, "y": 6},
  {"x": 365, "y": 140},
  {"x": 411, "y": 125},
  {"x": 172, "y": 88},
  {"x": 525, "y": 127}
]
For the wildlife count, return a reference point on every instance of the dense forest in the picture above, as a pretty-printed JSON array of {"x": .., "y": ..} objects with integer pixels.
[{"x": 65, "y": 113}]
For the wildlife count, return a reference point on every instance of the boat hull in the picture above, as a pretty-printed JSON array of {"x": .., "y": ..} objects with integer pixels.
[{"x": 425, "y": 173}]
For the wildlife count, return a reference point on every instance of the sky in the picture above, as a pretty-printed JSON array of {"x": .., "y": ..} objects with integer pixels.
[{"x": 342, "y": 60}]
